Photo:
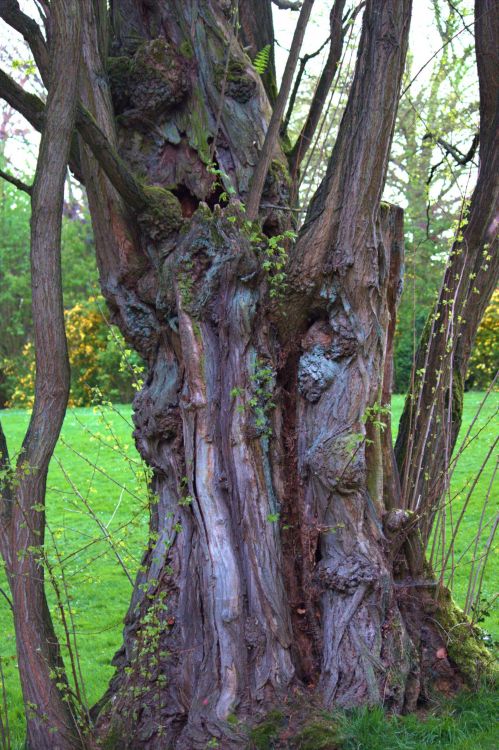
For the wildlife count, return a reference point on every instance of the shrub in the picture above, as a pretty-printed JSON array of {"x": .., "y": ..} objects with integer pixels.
[{"x": 102, "y": 367}]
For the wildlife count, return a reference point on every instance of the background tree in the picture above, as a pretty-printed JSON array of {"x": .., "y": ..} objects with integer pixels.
[{"x": 282, "y": 552}]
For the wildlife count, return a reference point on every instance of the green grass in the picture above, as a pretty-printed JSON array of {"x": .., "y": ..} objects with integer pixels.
[
  {"x": 109, "y": 475},
  {"x": 485, "y": 428},
  {"x": 468, "y": 722},
  {"x": 112, "y": 480}
]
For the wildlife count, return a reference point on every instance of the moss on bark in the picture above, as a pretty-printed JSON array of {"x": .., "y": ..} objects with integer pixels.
[{"x": 464, "y": 642}]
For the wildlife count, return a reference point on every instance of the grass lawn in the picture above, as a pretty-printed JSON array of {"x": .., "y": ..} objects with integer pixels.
[{"x": 96, "y": 464}]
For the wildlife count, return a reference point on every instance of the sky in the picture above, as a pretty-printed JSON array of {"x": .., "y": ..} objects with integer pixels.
[{"x": 424, "y": 39}]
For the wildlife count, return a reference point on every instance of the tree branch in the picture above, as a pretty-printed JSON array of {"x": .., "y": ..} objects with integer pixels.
[
  {"x": 32, "y": 108},
  {"x": 348, "y": 19},
  {"x": 5, "y": 494},
  {"x": 456, "y": 154},
  {"x": 19, "y": 184},
  {"x": 272, "y": 135},
  {"x": 340, "y": 216},
  {"x": 115, "y": 168},
  {"x": 432, "y": 415},
  {"x": 14, "y": 17},
  {"x": 28, "y": 105},
  {"x": 301, "y": 70}
]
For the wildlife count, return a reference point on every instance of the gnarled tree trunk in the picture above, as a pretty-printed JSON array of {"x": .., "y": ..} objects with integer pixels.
[
  {"x": 267, "y": 546},
  {"x": 271, "y": 559},
  {"x": 276, "y": 557}
]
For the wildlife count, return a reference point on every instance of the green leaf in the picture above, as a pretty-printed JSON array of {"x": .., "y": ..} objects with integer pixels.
[{"x": 261, "y": 60}]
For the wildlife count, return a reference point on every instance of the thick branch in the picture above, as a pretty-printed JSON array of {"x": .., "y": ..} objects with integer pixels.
[
  {"x": 28, "y": 105},
  {"x": 14, "y": 17},
  {"x": 41, "y": 669},
  {"x": 32, "y": 108},
  {"x": 272, "y": 135},
  {"x": 115, "y": 168},
  {"x": 340, "y": 221}
]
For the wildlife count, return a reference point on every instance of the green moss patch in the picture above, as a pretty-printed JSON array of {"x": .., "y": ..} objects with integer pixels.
[
  {"x": 263, "y": 735},
  {"x": 464, "y": 642},
  {"x": 163, "y": 214}
]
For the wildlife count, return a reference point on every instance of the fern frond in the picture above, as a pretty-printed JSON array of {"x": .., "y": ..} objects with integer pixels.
[{"x": 261, "y": 60}]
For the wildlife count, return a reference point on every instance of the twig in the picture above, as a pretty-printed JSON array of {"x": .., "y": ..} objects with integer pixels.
[{"x": 19, "y": 184}]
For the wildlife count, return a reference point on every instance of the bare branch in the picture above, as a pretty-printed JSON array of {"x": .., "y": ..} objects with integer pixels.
[
  {"x": 114, "y": 167},
  {"x": 456, "y": 154},
  {"x": 5, "y": 493},
  {"x": 301, "y": 70},
  {"x": 334, "y": 234},
  {"x": 7, "y": 598},
  {"x": 434, "y": 406},
  {"x": 30, "y": 106},
  {"x": 14, "y": 17},
  {"x": 19, "y": 184},
  {"x": 272, "y": 135}
]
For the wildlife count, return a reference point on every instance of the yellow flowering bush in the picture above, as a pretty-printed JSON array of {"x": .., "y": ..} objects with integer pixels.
[{"x": 102, "y": 367}]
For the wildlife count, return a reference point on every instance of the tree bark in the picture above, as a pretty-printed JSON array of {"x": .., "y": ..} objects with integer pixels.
[
  {"x": 259, "y": 575},
  {"x": 273, "y": 562},
  {"x": 50, "y": 720},
  {"x": 326, "y": 79}
]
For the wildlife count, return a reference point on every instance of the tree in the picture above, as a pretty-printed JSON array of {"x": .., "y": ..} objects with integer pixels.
[{"x": 286, "y": 546}]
